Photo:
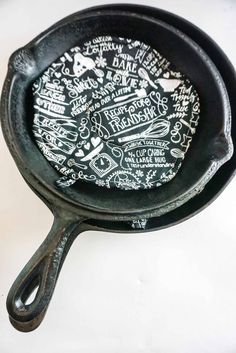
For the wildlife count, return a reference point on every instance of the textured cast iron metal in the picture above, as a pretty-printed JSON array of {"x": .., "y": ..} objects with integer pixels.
[{"x": 83, "y": 208}]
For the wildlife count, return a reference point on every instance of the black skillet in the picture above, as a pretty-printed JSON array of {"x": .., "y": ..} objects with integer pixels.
[{"x": 83, "y": 206}]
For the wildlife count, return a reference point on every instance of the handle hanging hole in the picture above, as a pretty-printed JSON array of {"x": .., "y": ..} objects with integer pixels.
[{"x": 32, "y": 296}]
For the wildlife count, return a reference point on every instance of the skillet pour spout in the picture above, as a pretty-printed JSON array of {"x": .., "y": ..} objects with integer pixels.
[{"x": 83, "y": 206}]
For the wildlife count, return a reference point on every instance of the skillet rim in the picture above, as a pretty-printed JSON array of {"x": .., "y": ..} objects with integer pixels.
[{"x": 39, "y": 184}]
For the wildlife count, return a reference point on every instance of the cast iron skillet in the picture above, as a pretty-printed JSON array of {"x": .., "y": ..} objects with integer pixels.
[{"x": 79, "y": 208}]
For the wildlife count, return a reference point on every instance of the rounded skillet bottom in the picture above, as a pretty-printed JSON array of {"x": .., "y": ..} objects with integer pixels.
[{"x": 227, "y": 171}]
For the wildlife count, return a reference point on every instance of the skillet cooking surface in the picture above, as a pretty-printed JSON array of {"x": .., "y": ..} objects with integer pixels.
[{"x": 116, "y": 113}]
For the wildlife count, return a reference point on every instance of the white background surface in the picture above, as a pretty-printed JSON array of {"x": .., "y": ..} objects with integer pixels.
[{"x": 171, "y": 291}]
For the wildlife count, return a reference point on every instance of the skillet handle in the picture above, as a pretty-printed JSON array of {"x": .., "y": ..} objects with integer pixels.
[{"x": 40, "y": 274}]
